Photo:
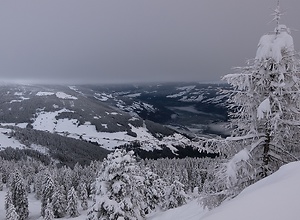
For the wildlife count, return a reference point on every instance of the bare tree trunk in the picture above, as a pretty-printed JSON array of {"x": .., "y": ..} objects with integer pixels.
[{"x": 266, "y": 157}]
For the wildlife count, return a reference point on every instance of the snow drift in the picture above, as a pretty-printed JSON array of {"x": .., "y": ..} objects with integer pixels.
[{"x": 276, "y": 197}]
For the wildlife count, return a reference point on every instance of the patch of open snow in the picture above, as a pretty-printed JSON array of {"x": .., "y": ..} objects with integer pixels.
[
  {"x": 21, "y": 98},
  {"x": 104, "y": 125},
  {"x": 44, "y": 93},
  {"x": 7, "y": 141},
  {"x": 46, "y": 121},
  {"x": 40, "y": 148},
  {"x": 103, "y": 96},
  {"x": 133, "y": 119},
  {"x": 20, "y": 125},
  {"x": 187, "y": 88},
  {"x": 193, "y": 98},
  {"x": 133, "y": 95},
  {"x": 176, "y": 95},
  {"x": 62, "y": 95},
  {"x": 18, "y": 93},
  {"x": 190, "y": 211},
  {"x": 274, "y": 198},
  {"x": 190, "y": 109},
  {"x": 73, "y": 88},
  {"x": 184, "y": 90},
  {"x": 216, "y": 100}
]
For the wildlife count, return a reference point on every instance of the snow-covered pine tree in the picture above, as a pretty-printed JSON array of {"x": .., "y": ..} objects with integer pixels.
[
  {"x": 47, "y": 191},
  {"x": 37, "y": 185},
  {"x": 19, "y": 195},
  {"x": 59, "y": 202},
  {"x": 49, "y": 215},
  {"x": 89, "y": 175},
  {"x": 72, "y": 199},
  {"x": 175, "y": 195},
  {"x": 83, "y": 196},
  {"x": 118, "y": 194},
  {"x": 153, "y": 190},
  {"x": 67, "y": 175},
  {"x": 11, "y": 213},
  {"x": 265, "y": 115},
  {"x": 8, "y": 199},
  {"x": 1, "y": 183},
  {"x": 76, "y": 174}
]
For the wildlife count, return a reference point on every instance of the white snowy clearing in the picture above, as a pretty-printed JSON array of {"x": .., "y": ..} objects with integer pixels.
[
  {"x": 7, "y": 141},
  {"x": 62, "y": 95},
  {"x": 46, "y": 121},
  {"x": 276, "y": 197},
  {"x": 44, "y": 93},
  {"x": 103, "y": 97},
  {"x": 134, "y": 95}
]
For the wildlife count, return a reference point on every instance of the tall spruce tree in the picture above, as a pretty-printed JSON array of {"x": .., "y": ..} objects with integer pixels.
[
  {"x": 19, "y": 195},
  {"x": 175, "y": 195},
  {"x": 11, "y": 213},
  {"x": 83, "y": 196},
  {"x": 1, "y": 182},
  {"x": 47, "y": 191},
  {"x": 8, "y": 199},
  {"x": 59, "y": 202},
  {"x": 265, "y": 117},
  {"x": 72, "y": 199},
  {"x": 49, "y": 215},
  {"x": 118, "y": 189}
]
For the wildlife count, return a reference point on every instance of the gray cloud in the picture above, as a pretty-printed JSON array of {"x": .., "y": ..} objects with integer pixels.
[{"x": 133, "y": 40}]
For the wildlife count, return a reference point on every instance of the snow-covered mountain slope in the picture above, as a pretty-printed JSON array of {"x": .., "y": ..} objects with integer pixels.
[
  {"x": 276, "y": 197},
  {"x": 78, "y": 114}
]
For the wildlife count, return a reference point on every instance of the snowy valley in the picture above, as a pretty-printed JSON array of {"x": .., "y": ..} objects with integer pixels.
[{"x": 144, "y": 117}]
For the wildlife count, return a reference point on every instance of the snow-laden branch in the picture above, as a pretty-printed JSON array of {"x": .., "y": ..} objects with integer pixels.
[{"x": 248, "y": 136}]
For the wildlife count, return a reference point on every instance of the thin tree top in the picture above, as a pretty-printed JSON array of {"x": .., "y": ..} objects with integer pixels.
[{"x": 276, "y": 44}]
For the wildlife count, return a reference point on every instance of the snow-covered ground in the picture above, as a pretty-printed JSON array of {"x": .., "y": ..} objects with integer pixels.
[
  {"x": 276, "y": 197},
  {"x": 62, "y": 95},
  {"x": 46, "y": 121},
  {"x": 7, "y": 141},
  {"x": 44, "y": 93},
  {"x": 190, "y": 211}
]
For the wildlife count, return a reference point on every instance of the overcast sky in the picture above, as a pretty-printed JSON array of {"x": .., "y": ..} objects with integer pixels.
[{"x": 103, "y": 41}]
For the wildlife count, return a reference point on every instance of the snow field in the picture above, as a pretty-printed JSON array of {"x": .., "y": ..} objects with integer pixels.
[
  {"x": 7, "y": 141},
  {"x": 46, "y": 121}
]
